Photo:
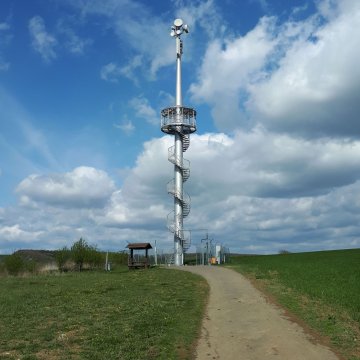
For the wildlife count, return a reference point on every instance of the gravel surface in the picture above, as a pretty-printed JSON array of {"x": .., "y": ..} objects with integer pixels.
[{"x": 240, "y": 324}]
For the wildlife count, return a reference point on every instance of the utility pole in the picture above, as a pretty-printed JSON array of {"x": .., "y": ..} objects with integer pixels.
[{"x": 155, "y": 251}]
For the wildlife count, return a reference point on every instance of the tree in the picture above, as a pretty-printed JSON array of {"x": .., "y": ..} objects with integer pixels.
[
  {"x": 284, "y": 252},
  {"x": 61, "y": 257},
  {"x": 79, "y": 253}
]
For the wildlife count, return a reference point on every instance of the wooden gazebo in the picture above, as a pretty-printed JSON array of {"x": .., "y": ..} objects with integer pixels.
[{"x": 138, "y": 263}]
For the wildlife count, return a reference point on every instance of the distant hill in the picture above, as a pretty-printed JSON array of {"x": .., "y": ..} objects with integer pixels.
[{"x": 39, "y": 256}]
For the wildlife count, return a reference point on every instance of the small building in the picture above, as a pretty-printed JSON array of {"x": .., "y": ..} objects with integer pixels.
[{"x": 139, "y": 261}]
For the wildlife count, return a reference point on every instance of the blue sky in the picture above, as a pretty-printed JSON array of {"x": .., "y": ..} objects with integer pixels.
[{"x": 275, "y": 161}]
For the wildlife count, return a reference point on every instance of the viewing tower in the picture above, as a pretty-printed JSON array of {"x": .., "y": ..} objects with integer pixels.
[{"x": 179, "y": 121}]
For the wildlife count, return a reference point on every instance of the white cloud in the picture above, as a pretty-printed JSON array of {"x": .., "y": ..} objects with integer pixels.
[
  {"x": 5, "y": 39},
  {"x": 15, "y": 233},
  {"x": 4, "y": 66},
  {"x": 42, "y": 42},
  {"x": 126, "y": 126},
  {"x": 315, "y": 91},
  {"x": 288, "y": 77},
  {"x": 253, "y": 190},
  {"x": 73, "y": 42},
  {"x": 264, "y": 164},
  {"x": 110, "y": 72},
  {"x": 28, "y": 140},
  {"x": 144, "y": 110},
  {"x": 204, "y": 14},
  {"x": 4, "y": 26},
  {"x": 258, "y": 186},
  {"x": 82, "y": 187},
  {"x": 129, "y": 70},
  {"x": 130, "y": 22},
  {"x": 228, "y": 67}
]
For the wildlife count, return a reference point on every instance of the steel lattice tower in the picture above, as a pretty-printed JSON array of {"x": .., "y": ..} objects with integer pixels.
[{"x": 181, "y": 122}]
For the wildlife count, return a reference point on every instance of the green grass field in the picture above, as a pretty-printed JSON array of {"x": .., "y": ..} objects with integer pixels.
[
  {"x": 149, "y": 314},
  {"x": 322, "y": 288}
]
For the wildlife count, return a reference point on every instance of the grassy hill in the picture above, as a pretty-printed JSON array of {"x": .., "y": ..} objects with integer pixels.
[{"x": 321, "y": 288}]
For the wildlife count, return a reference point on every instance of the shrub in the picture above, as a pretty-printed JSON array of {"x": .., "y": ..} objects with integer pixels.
[
  {"x": 61, "y": 257},
  {"x": 31, "y": 266},
  {"x": 94, "y": 258},
  {"x": 118, "y": 258},
  {"x": 14, "y": 264}
]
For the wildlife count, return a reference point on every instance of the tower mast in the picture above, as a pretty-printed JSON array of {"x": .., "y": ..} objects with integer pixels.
[{"x": 179, "y": 121}]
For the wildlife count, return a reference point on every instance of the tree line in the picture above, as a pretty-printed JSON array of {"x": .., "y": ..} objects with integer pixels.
[{"x": 78, "y": 257}]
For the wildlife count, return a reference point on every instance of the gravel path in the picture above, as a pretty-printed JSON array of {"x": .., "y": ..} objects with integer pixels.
[{"x": 240, "y": 325}]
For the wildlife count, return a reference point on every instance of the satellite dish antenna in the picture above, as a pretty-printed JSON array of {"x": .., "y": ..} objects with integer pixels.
[{"x": 178, "y": 23}]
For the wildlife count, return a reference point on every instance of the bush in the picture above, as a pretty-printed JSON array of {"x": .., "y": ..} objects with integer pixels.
[
  {"x": 31, "y": 266},
  {"x": 61, "y": 257},
  {"x": 14, "y": 264},
  {"x": 118, "y": 258},
  {"x": 94, "y": 258}
]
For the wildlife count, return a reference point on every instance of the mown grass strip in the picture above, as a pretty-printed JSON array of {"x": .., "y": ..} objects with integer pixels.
[
  {"x": 152, "y": 314},
  {"x": 322, "y": 288}
]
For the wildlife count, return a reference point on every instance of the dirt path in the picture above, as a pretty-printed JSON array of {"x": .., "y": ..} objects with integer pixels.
[{"x": 240, "y": 325}]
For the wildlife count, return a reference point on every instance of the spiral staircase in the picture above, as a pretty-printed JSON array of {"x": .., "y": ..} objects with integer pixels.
[{"x": 182, "y": 121}]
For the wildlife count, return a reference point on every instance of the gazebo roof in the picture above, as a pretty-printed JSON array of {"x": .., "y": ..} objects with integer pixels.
[{"x": 139, "y": 246}]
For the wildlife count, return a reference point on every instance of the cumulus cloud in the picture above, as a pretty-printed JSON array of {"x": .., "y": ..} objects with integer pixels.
[
  {"x": 288, "y": 76},
  {"x": 274, "y": 188},
  {"x": 315, "y": 91},
  {"x": 255, "y": 191},
  {"x": 42, "y": 42},
  {"x": 225, "y": 72},
  {"x": 82, "y": 187},
  {"x": 142, "y": 200},
  {"x": 15, "y": 233}
]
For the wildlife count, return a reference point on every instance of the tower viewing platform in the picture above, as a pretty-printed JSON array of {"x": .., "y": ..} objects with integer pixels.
[{"x": 178, "y": 116}]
